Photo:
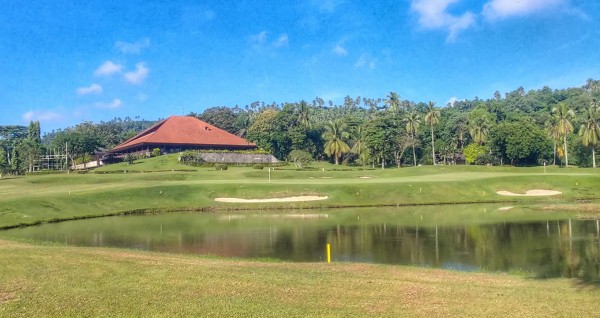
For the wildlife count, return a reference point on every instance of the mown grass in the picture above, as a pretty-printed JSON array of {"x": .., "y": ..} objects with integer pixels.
[
  {"x": 43, "y": 198},
  {"x": 74, "y": 282},
  {"x": 58, "y": 281}
]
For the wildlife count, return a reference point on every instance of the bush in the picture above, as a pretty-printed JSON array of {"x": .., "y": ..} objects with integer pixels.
[
  {"x": 258, "y": 167},
  {"x": 130, "y": 158},
  {"x": 155, "y": 152},
  {"x": 300, "y": 158},
  {"x": 487, "y": 159},
  {"x": 220, "y": 166},
  {"x": 472, "y": 151}
]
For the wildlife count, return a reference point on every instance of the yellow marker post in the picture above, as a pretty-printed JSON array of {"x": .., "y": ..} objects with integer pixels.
[{"x": 328, "y": 253}]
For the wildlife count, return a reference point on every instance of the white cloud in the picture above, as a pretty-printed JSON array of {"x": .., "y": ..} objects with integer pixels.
[
  {"x": 108, "y": 68},
  {"x": 116, "y": 103},
  {"x": 328, "y": 6},
  {"x": 92, "y": 89},
  {"x": 452, "y": 100},
  {"x": 41, "y": 115},
  {"x": 433, "y": 15},
  {"x": 259, "y": 38},
  {"x": 364, "y": 61},
  {"x": 340, "y": 50},
  {"x": 498, "y": 9},
  {"x": 282, "y": 40},
  {"x": 132, "y": 48},
  {"x": 139, "y": 75}
]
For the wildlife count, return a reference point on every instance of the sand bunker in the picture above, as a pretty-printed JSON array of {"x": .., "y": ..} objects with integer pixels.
[
  {"x": 530, "y": 193},
  {"x": 505, "y": 208},
  {"x": 272, "y": 200}
]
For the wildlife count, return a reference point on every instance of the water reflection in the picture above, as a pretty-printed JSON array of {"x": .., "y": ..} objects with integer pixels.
[{"x": 513, "y": 242}]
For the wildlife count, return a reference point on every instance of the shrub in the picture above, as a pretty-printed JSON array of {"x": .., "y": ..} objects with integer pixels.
[
  {"x": 258, "y": 167},
  {"x": 220, "y": 166},
  {"x": 300, "y": 158},
  {"x": 155, "y": 152},
  {"x": 130, "y": 158},
  {"x": 487, "y": 159},
  {"x": 473, "y": 151}
]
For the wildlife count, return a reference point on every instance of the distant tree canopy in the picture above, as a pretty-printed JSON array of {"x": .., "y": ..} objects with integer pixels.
[{"x": 518, "y": 127}]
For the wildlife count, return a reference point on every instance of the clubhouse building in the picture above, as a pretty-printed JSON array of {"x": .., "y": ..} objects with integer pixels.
[{"x": 179, "y": 133}]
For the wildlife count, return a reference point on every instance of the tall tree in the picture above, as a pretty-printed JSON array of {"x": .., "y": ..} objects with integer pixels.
[
  {"x": 359, "y": 148},
  {"x": 590, "y": 130},
  {"x": 303, "y": 114},
  {"x": 479, "y": 128},
  {"x": 393, "y": 102},
  {"x": 335, "y": 133},
  {"x": 563, "y": 115},
  {"x": 552, "y": 131},
  {"x": 432, "y": 118},
  {"x": 413, "y": 120}
]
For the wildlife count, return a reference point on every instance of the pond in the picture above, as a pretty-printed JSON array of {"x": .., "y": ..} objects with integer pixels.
[{"x": 459, "y": 237}]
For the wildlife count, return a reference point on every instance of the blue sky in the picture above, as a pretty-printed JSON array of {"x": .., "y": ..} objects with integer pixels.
[{"x": 64, "y": 62}]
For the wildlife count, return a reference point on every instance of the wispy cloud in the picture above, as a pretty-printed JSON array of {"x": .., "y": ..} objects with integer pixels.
[
  {"x": 132, "y": 48},
  {"x": 42, "y": 116},
  {"x": 339, "y": 50},
  {"x": 328, "y": 6},
  {"x": 259, "y": 38},
  {"x": 108, "y": 68},
  {"x": 365, "y": 61},
  {"x": 139, "y": 75},
  {"x": 500, "y": 9},
  {"x": 282, "y": 40},
  {"x": 433, "y": 14},
  {"x": 92, "y": 89},
  {"x": 114, "y": 104}
]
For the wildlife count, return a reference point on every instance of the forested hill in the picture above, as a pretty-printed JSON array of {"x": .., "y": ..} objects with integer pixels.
[{"x": 519, "y": 127}]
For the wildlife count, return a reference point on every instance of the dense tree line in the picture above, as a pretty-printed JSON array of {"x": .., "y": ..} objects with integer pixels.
[
  {"x": 548, "y": 126},
  {"x": 519, "y": 128},
  {"x": 22, "y": 147}
]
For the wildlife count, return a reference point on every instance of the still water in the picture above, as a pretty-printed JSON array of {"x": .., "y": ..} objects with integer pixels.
[{"x": 468, "y": 238}]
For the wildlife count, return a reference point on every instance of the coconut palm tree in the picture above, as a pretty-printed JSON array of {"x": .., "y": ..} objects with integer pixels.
[
  {"x": 393, "y": 102},
  {"x": 360, "y": 148},
  {"x": 562, "y": 113},
  {"x": 335, "y": 133},
  {"x": 590, "y": 130},
  {"x": 552, "y": 131},
  {"x": 303, "y": 114},
  {"x": 413, "y": 120},
  {"x": 432, "y": 118},
  {"x": 479, "y": 129}
]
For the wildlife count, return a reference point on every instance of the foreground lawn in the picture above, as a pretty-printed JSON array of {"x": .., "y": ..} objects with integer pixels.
[{"x": 57, "y": 281}]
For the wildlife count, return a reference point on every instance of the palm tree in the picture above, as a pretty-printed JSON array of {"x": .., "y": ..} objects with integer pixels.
[
  {"x": 563, "y": 114},
  {"x": 552, "y": 131},
  {"x": 303, "y": 114},
  {"x": 413, "y": 120},
  {"x": 335, "y": 133},
  {"x": 479, "y": 129},
  {"x": 590, "y": 130},
  {"x": 393, "y": 102},
  {"x": 359, "y": 147},
  {"x": 432, "y": 118}
]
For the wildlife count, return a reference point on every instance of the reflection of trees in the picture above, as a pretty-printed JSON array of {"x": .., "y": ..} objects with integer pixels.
[{"x": 569, "y": 248}]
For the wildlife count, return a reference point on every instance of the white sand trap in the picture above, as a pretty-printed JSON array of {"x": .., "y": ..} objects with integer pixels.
[
  {"x": 531, "y": 193},
  {"x": 505, "y": 208},
  {"x": 365, "y": 177},
  {"x": 272, "y": 200}
]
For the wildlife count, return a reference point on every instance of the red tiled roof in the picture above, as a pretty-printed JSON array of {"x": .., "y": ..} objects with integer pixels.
[{"x": 184, "y": 130}]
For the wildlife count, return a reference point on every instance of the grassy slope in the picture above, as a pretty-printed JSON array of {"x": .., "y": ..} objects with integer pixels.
[
  {"x": 27, "y": 200},
  {"x": 81, "y": 282},
  {"x": 71, "y": 281}
]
